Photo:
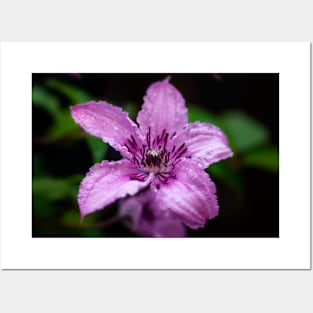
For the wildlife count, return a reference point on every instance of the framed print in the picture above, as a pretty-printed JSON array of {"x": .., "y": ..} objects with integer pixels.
[{"x": 155, "y": 156}]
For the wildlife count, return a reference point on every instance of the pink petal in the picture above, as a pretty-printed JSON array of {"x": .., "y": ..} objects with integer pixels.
[
  {"x": 146, "y": 219},
  {"x": 163, "y": 108},
  {"x": 105, "y": 183},
  {"x": 206, "y": 143},
  {"x": 107, "y": 122},
  {"x": 190, "y": 197}
]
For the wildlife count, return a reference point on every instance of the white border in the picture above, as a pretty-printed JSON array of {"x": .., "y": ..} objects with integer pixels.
[{"x": 20, "y": 251}]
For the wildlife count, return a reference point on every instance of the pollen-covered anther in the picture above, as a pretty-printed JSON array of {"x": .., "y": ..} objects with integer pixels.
[{"x": 154, "y": 157}]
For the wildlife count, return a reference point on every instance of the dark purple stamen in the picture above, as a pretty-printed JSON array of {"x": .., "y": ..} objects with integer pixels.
[
  {"x": 180, "y": 154},
  {"x": 155, "y": 157},
  {"x": 140, "y": 176},
  {"x": 148, "y": 137},
  {"x": 181, "y": 147},
  {"x": 134, "y": 141}
]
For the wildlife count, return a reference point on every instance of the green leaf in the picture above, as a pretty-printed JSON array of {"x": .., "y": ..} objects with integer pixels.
[
  {"x": 43, "y": 99},
  {"x": 71, "y": 220},
  {"x": 227, "y": 174},
  {"x": 243, "y": 132},
  {"x": 74, "y": 94},
  {"x": 201, "y": 115},
  {"x": 42, "y": 207},
  {"x": 265, "y": 158},
  {"x": 98, "y": 148},
  {"x": 63, "y": 126},
  {"x": 74, "y": 182},
  {"x": 51, "y": 188},
  {"x": 132, "y": 110},
  {"x": 74, "y": 179}
]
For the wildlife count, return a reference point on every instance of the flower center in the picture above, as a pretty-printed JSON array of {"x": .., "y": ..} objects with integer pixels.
[
  {"x": 153, "y": 160},
  {"x": 155, "y": 156}
]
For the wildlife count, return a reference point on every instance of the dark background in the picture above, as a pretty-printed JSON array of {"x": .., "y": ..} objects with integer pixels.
[{"x": 248, "y": 195}]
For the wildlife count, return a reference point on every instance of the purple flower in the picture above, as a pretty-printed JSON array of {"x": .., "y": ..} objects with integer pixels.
[
  {"x": 164, "y": 157},
  {"x": 143, "y": 216}
]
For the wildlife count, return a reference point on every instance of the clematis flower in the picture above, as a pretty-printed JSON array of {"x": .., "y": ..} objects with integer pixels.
[{"x": 165, "y": 158}]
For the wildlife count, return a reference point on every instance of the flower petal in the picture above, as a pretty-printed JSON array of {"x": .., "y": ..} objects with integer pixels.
[
  {"x": 146, "y": 219},
  {"x": 163, "y": 108},
  {"x": 108, "y": 122},
  {"x": 206, "y": 143},
  {"x": 105, "y": 183},
  {"x": 190, "y": 197}
]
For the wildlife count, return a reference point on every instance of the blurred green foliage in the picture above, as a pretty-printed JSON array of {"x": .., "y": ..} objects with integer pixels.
[
  {"x": 74, "y": 94},
  {"x": 51, "y": 195},
  {"x": 52, "y": 189},
  {"x": 41, "y": 97},
  {"x": 264, "y": 157},
  {"x": 97, "y": 148},
  {"x": 249, "y": 140},
  {"x": 243, "y": 132}
]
